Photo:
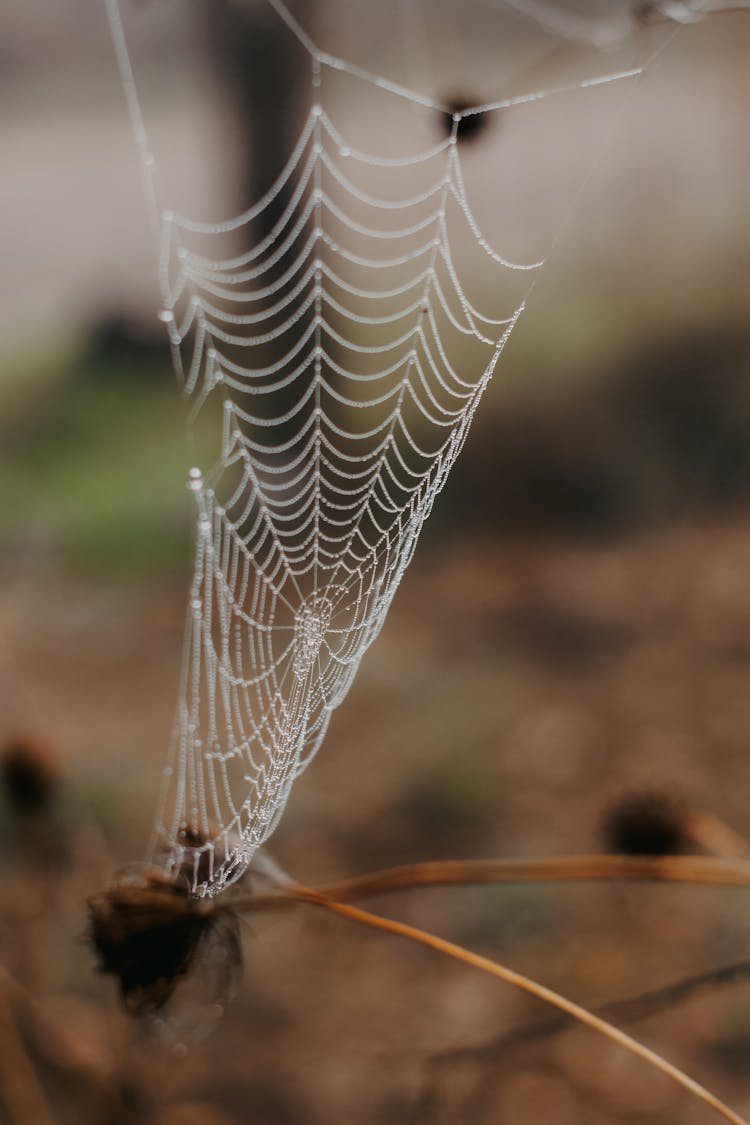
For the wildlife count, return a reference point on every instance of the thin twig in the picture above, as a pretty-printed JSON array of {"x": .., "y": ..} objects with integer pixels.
[{"x": 704, "y": 870}]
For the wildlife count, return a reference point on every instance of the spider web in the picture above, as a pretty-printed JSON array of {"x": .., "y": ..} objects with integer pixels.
[{"x": 347, "y": 357}]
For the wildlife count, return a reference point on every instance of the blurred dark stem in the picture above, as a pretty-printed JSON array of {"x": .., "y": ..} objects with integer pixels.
[
  {"x": 21, "y": 1095},
  {"x": 640, "y": 1007},
  {"x": 257, "y": 61},
  {"x": 30, "y": 1040}
]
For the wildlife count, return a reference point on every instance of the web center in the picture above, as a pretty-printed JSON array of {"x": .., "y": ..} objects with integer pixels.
[{"x": 310, "y": 625}]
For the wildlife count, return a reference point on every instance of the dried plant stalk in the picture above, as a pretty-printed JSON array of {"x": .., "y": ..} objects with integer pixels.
[{"x": 703, "y": 870}]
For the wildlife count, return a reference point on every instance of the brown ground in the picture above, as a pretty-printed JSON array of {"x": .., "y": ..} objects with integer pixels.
[{"x": 516, "y": 691}]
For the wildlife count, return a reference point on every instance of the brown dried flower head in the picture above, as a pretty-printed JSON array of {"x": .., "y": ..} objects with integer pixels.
[
  {"x": 647, "y": 822},
  {"x": 469, "y": 127},
  {"x": 29, "y": 774},
  {"x": 147, "y": 930}
]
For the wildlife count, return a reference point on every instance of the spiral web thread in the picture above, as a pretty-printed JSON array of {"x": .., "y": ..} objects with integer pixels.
[{"x": 349, "y": 361}]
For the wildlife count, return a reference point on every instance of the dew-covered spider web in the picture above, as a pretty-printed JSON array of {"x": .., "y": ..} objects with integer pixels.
[{"x": 348, "y": 352}]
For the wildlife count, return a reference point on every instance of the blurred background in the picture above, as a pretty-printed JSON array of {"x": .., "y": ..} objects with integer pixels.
[{"x": 574, "y": 629}]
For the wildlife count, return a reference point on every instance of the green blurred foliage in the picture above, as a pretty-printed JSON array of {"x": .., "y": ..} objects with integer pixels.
[{"x": 93, "y": 461}]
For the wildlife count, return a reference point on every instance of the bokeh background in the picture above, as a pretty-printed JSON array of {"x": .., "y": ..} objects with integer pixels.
[{"x": 574, "y": 628}]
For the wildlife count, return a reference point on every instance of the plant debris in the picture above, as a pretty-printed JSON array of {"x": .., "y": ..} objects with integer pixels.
[{"x": 147, "y": 930}]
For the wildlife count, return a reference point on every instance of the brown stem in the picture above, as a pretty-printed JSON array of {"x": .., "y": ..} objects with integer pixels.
[
  {"x": 634, "y": 1008},
  {"x": 715, "y": 836},
  {"x": 704, "y": 870}
]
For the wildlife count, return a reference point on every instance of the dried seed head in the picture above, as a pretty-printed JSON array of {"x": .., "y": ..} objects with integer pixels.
[
  {"x": 646, "y": 11},
  {"x": 30, "y": 776},
  {"x": 196, "y": 860},
  {"x": 649, "y": 822},
  {"x": 196, "y": 856},
  {"x": 468, "y": 128},
  {"x": 147, "y": 931}
]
